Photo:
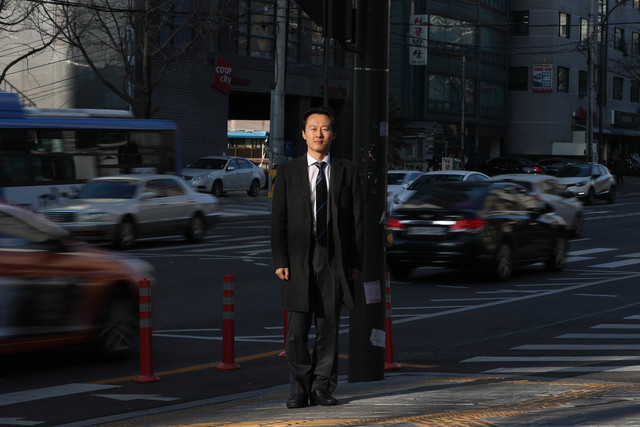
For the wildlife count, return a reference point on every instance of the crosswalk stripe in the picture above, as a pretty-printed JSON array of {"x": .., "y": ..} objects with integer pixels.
[
  {"x": 602, "y": 336},
  {"x": 616, "y": 264},
  {"x": 583, "y": 369},
  {"x": 578, "y": 347},
  {"x": 484, "y": 359},
  {"x": 591, "y": 251}
]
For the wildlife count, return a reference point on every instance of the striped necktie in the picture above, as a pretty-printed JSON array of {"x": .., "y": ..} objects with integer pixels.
[{"x": 321, "y": 205}]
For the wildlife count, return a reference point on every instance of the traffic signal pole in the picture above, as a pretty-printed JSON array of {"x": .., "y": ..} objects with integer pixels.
[{"x": 367, "y": 320}]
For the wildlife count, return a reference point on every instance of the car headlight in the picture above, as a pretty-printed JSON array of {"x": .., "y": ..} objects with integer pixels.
[
  {"x": 200, "y": 178},
  {"x": 94, "y": 217}
]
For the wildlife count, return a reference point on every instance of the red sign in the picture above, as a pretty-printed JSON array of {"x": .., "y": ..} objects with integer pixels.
[{"x": 222, "y": 76}]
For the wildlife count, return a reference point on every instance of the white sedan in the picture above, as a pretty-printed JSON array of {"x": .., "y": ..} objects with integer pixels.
[
  {"x": 433, "y": 177},
  {"x": 552, "y": 191},
  {"x": 121, "y": 208},
  {"x": 219, "y": 174}
]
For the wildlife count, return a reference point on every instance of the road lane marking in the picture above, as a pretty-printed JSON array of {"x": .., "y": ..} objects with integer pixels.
[
  {"x": 602, "y": 336},
  {"x": 48, "y": 392},
  {"x": 590, "y": 251}
]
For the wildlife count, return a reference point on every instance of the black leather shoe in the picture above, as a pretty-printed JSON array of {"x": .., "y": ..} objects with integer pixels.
[
  {"x": 297, "y": 401},
  {"x": 323, "y": 398}
]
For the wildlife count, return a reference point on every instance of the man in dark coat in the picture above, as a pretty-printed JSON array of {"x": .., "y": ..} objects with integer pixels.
[{"x": 317, "y": 274}]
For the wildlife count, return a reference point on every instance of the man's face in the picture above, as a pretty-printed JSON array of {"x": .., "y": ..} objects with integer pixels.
[{"x": 318, "y": 134}]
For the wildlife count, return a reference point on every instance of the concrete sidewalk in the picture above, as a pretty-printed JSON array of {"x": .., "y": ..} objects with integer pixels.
[{"x": 419, "y": 399}]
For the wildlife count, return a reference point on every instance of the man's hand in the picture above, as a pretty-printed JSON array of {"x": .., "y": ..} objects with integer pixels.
[
  {"x": 353, "y": 273},
  {"x": 283, "y": 273}
]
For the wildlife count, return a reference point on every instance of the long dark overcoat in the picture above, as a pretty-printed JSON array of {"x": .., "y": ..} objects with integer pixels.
[{"x": 292, "y": 227}]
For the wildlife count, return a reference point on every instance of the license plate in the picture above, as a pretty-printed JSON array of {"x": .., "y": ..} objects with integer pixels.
[{"x": 426, "y": 231}]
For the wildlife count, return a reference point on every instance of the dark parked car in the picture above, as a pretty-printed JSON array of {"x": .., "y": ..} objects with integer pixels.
[
  {"x": 553, "y": 164},
  {"x": 508, "y": 164},
  {"x": 494, "y": 226}
]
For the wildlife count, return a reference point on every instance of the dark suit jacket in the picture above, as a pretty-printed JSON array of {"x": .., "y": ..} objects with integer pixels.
[{"x": 292, "y": 227}]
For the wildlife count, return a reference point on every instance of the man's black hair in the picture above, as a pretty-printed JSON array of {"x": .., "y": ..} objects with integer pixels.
[{"x": 327, "y": 111}]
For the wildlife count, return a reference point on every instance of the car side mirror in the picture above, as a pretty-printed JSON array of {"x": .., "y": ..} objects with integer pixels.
[{"x": 231, "y": 168}]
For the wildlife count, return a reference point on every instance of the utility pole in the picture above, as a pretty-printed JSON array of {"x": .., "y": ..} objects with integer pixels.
[
  {"x": 276, "y": 122},
  {"x": 591, "y": 40},
  {"x": 462, "y": 101},
  {"x": 371, "y": 110}
]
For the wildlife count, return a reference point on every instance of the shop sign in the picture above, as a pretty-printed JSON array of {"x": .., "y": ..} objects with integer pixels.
[{"x": 222, "y": 74}]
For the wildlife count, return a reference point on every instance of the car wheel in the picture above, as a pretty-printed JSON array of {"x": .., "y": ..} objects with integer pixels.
[
  {"x": 558, "y": 256},
  {"x": 125, "y": 235},
  {"x": 195, "y": 229},
  {"x": 254, "y": 190},
  {"x": 400, "y": 271},
  {"x": 578, "y": 226},
  {"x": 118, "y": 333},
  {"x": 591, "y": 196},
  {"x": 216, "y": 188},
  {"x": 611, "y": 197},
  {"x": 503, "y": 262}
]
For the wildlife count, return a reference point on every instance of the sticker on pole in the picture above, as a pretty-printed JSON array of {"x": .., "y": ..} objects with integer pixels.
[
  {"x": 377, "y": 338},
  {"x": 372, "y": 292}
]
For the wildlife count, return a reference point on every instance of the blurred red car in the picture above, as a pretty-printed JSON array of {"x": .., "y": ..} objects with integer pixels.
[{"x": 56, "y": 290}]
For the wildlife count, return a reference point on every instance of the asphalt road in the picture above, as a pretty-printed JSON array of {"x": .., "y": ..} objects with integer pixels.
[{"x": 574, "y": 324}]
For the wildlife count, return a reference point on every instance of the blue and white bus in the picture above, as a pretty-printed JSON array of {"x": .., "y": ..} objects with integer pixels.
[{"x": 47, "y": 154}]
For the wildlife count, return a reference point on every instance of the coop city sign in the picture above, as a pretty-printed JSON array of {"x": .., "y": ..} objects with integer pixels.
[{"x": 222, "y": 77}]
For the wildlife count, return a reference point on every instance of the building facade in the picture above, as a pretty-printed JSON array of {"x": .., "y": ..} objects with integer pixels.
[
  {"x": 244, "y": 41},
  {"x": 562, "y": 54}
]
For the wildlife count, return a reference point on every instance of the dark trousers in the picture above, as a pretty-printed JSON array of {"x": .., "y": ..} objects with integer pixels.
[{"x": 318, "y": 371}]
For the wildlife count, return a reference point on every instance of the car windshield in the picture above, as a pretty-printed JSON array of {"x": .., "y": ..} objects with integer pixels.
[
  {"x": 208, "y": 164},
  {"x": 446, "y": 197},
  {"x": 395, "y": 178},
  {"x": 121, "y": 189},
  {"x": 430, "y": 179},
  {"x": 574, "y": 171}
]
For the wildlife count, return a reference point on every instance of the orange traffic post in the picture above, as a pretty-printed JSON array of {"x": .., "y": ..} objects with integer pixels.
[
  {"x": 228, "y": 315},
  {"x": 388, "y": 345},
  {"x": 146, "y": 352}
]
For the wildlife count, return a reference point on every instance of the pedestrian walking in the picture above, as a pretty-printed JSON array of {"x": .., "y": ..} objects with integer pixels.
[{"x": 316, "y": 243}]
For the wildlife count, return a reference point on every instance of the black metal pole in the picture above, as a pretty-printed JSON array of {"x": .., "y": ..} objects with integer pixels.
[{"x": 367, "y": 322}]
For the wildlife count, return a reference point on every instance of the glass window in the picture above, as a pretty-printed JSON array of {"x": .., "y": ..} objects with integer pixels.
[
  {"x": 634, "y": 96},
  {"x": 563, "y": 79},
  {"x": 519, "y": 23},
  {"x": 449, "y": 30},
  {"x": 584, "y": 29},
  {"x": 617, "y": 88},
  {"x": 491, "y": 99},
  {"x": 583, "y": 81},
  {"x": 618, "y": 39},
  {"x": 635, "y": 43},
  {"x": 172, "y": 188},
  {"x": 519, "y": 78},
  {"x": 564, "y": 28}
]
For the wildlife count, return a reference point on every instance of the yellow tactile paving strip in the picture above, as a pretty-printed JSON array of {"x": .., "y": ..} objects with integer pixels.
[{"x": 460, "y": 418}]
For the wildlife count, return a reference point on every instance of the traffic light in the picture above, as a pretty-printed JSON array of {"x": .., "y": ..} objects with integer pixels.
[{"x": 334, "y": 16}]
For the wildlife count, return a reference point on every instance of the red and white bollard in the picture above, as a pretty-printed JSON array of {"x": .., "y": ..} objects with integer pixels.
[
  {"x": 388, "y": 345},
  {"x": 146, "y": 352},
  {"x": 228, "y": 315}
]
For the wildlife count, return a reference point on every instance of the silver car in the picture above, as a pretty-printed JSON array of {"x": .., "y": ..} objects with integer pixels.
[
  {"x": 552, "y": 191},
  {"x": 121, "y": 208},
  {"x": 589, "y": 181},
  {"x": 219, "y": 174}
]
